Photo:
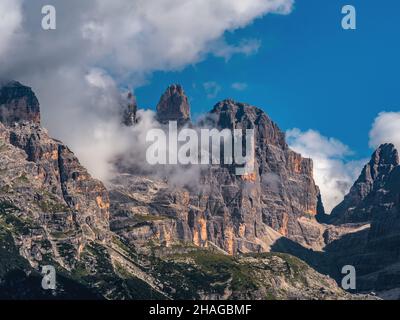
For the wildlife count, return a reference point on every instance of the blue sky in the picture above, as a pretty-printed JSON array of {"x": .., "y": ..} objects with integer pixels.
[{"x": 309, "y": 73}]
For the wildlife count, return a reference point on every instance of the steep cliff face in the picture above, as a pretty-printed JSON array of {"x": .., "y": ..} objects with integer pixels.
[
  {"x": 18, "y": 103},
  {"x": 61, "y": 171},
  {"x": 52, "y": 212},
  {"x": 371, "y": 189},
  {"x": 237, "y": 214},
  {"x": 44, "y": 180},
  {"x": 283, "y": 177},
  {"x": 380, "y": 264},
  {"x": 174, "y": 106}
]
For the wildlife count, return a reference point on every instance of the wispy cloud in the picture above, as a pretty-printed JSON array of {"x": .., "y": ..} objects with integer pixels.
[
  {"x": 10, "y": 24},
  {"x": 246, "y": 46},
  {"x": 212, "y": 89},
  {"x": 239, "y": 86}
]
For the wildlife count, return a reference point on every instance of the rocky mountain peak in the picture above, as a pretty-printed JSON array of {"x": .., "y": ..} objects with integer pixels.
[
  {"x": 233, "y": 108},
  {"x": 385, "y": 156},
  {"x": 53, "y": 212},
  {"x": 382, "y": 162},
  {"x": 231, "y": 114},
  {"x": 218, "y": 208},
  {"x": 358, "y": 203},
  {"x": 174, "y": 106},
  {"x": 18, "y": 103}
]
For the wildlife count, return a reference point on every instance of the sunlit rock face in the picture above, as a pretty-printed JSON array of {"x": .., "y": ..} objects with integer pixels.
[
  {"x": 234, "y": 213},
  {"x": 46, "y": 185},
  {"x": 149, "y": 238},
  {"x": 281, "y": 193},
  {"x": 174, "y": 106}
]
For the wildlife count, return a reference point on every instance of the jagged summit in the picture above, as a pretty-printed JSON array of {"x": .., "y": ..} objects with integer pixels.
[
  {"x": 233, "y": 105},
  {"x": 385, "y": 156},
  {"x": 382, "y": 162},
  {"x": 363, "y": 196},
  {"x": 238, "y": 115},
  {"x": 238, "y": 214},
  {"x": 18, "y": 103},
  {"x": 174, "y": 106}
]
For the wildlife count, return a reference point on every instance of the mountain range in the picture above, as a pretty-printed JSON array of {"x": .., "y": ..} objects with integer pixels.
[{"x": 264, "y": 235}]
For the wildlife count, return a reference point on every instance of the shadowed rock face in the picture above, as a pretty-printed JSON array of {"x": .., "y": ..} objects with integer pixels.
[
  {"x": 129, "y": 116},
  {"x": 18, "y": 103},
  {"x": 365, "y": 229},
  {"x": 174, "y": 106},
  {"x": 369, "y": 189}
]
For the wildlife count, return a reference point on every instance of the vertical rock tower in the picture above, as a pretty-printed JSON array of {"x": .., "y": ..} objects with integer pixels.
[{"x": 174, "y": 106}]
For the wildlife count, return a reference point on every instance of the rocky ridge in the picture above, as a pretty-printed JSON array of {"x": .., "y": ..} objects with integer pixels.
[{"x": 53, "y": 212}]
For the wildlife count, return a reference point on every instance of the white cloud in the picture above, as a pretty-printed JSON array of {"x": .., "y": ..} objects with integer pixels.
[
  {"x": 385, "y": 129},
  {"x": 128, "y": 38},
  {"x": 332, "y": 172},
  {"x": 246, "y": 46},
  {"x": 98, "y": 78},
  {"x": 239, "y": 86},
  {"x": 212, "y": 89},
  {"x": 10, "y": 24},
  {"x": 133, "y": 36}
]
